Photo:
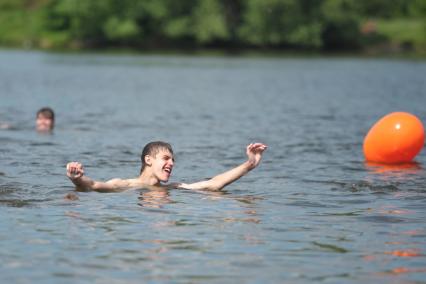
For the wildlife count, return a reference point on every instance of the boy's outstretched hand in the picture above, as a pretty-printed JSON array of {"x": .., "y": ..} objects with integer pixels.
[
  {"x": 75, "y": 170},
  {"x": 254, "y": 153}
]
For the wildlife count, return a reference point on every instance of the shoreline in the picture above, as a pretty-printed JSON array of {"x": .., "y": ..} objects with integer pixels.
[{"x": 371, "y": 53}]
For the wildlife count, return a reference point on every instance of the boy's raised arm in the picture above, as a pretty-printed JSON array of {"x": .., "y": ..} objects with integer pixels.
[{"x": 254, "y": 154}]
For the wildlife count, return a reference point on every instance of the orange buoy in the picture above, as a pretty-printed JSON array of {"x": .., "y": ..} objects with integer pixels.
[{"x": 396, "y": 138}]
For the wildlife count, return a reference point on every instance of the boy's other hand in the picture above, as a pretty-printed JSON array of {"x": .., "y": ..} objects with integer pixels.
[
  {"x": 75, "y": 170},
  {"x": 254, "y": 153}
]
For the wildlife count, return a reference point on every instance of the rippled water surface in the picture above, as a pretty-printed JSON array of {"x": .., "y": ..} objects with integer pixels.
[{"x": 313, "y": 211}]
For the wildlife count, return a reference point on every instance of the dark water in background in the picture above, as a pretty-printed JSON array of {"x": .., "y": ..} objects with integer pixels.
[{"x": 313, "y": 211}]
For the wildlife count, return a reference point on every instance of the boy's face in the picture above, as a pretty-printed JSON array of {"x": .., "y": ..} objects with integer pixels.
[
  {"x": 162, "y": 165},
  {"x": 43, "y": 123}
]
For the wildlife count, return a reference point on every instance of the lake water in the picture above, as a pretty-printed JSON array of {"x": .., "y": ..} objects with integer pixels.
[{"x": 312, "y": 212}]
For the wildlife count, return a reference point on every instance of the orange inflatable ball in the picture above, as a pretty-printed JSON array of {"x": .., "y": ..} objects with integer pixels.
[{"x": 396, "y": 138}]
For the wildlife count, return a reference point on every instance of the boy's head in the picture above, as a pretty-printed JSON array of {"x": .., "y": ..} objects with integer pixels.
[
  {"x": 159, "y": 156},
  {"x": 45, "y": 119}
]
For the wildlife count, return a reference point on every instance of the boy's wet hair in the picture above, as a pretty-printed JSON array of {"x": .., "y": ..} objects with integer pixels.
[
  {"x": 46, "y": 112},
  {"x": 152, "y": 149}
]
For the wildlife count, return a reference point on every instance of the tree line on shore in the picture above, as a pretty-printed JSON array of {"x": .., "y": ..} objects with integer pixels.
[{"x": 328, "y": 25}]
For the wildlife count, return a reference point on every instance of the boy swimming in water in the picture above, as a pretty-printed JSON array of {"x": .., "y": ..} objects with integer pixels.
[
  {"x": 45, "y": 120},
  {"x": 157, "y": 165}
]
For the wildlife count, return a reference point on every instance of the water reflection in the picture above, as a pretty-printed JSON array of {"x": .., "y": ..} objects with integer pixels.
[
  {"x": 401, "y": 270},
  {"x": 71, "y": 196},
  {"x": 158, "y": 197},
  {"x": 400, "y": 252},
  {"x": 405, "y": 252},
  {"x": 399, "y": 171},
  {"x": 252, "y": 218},
  {"x": 154, "y": 198}
]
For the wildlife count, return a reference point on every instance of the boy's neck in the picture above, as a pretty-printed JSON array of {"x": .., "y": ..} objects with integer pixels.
[{"x": 146, "y": 177}]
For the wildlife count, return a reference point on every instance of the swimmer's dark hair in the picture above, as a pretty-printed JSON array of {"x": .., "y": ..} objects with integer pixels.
[
  {"x": 47, "y": 112},
  {"x": 152, "y": 149}
]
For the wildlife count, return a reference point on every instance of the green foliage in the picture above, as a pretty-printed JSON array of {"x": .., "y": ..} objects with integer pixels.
[
  {"x": 307, "y": 33},
  {"x": 383, "y": 8},
  {"x": 209, "y": 22},
  {"x": 19, "y": 23},
  {"x": 11, "y": 5},
  {"x": 340, "y": 25},
  {"x": 306, "y": 24},
  {"x": 78, "y": 19},
  {"x": 267, "y": 22},
  {"x": 177, "y": 24},
  {"x": 282, "y": 22},
  {"x": 307, "y": 36},
  {"x": 403, "y": 30},
  {"x": 117, "y": 29},
  {"x": 417, "y": 8},
  {"x": 178, "y": 27},
  {"x": 12, "y": 28}
]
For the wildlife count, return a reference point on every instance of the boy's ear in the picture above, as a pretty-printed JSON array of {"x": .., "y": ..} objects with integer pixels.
[{"x": 148, "y": 160}]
